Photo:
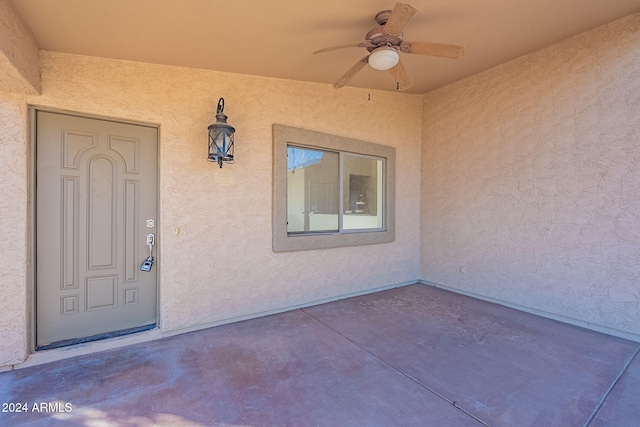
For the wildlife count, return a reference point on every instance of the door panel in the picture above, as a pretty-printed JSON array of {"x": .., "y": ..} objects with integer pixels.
[{"x": 96, "y": 187}]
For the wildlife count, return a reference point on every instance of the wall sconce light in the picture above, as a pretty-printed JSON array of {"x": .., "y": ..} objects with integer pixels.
[{"x": 220, "y": 138}]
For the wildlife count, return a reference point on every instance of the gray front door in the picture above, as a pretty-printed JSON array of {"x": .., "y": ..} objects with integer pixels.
[{"x": 96, "y": 201}]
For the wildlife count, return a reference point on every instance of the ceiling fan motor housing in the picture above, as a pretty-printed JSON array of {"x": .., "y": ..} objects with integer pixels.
[{"x": 377, "y": 38}]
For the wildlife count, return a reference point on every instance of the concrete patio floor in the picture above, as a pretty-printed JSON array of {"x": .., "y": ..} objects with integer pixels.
[{"x": 414, "y": 355}]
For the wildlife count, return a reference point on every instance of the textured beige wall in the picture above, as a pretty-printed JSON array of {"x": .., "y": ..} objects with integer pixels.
[
  {"x": 531, "y": 181},
  {"x": 19, "y": 64},
  {"x": 216, "y": 260},
  {"x": 13, "y": 232}
]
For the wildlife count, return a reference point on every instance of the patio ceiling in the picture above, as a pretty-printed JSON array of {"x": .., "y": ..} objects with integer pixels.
[{"x": 277, "y": 38}]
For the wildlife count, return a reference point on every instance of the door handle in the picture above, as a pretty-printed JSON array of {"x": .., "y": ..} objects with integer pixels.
[{"x": 148, "y": 263}]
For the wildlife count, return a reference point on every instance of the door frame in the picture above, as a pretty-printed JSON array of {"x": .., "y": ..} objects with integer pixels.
[{"x": 32, "y": 218}]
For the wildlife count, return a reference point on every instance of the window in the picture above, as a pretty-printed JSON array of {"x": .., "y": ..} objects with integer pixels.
[
  {"x": 330, "y": 191},
  {"x": 333, "y": 192}
]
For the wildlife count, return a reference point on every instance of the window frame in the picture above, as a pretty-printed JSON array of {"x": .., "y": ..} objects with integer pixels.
[{"x": 283, "y": 136}]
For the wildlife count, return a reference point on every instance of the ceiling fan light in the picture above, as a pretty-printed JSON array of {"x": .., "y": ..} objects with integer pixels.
[{"x": 383, "y": 58}]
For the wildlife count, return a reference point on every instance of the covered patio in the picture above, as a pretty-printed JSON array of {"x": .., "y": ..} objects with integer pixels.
[{"x": 413, "y": 355}]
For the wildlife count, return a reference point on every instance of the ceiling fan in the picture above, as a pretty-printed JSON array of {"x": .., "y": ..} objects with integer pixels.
[{"x": 386, "y": 40}]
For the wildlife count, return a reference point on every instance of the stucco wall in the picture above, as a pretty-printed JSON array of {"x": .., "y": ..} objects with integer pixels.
[
  {"x": 13, "y": 232},
  {"x": 216, "y": 260},
  {"x": 19, "y": 64},
  {"x": 531, "y": 181}
]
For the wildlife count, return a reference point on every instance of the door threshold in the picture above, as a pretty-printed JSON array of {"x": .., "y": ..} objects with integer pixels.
[
  {"x": 92, "y": 347},
  {"x": 75, "y": 341}
]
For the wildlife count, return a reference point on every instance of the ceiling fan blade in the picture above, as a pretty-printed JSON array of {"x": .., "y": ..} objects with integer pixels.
[
  {"x": 433, "y": 49},
  {"x": 400, "y": 15},
  {"x": 352, "y": 72},
  {"x": 327, "y": 49},
  {"x": 401, "y": 76}
]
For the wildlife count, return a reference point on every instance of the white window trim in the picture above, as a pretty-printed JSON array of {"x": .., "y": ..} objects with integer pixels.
[{"x": 282, "y": 241}]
